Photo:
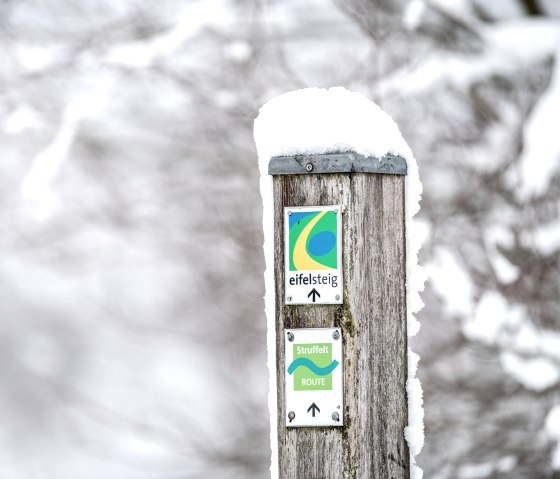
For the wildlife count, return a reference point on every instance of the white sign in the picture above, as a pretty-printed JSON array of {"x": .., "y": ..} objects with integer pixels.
[
  {"x": 313, "y": 377},
  {"x": 313, "y": 251}
]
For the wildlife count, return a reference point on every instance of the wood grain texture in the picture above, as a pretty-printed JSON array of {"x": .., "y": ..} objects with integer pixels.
[{"x": 371, "y": 444}]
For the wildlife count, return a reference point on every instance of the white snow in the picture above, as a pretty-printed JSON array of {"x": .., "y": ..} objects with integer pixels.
[
  {"x": 488, "y": 320},
  {"x": 497, "y": 235},
  {"x": 541, "y": 152},
  {"x": 485, "y": 469},
  {"x": 455, "y": 9},
  {"x": 545, "y": 238},
  {"x": 510, "y": 46},
  {"x": 528, "y": 340},
  {"x": 536, "y": 374},
  {"x": 35, "y": 58},
  {"x": 445, "y": 270},
  {"x": 191, "y": 20},
  {"x": 22, "y": 119},
  {"x": 475, "y": 471},
  {"x": 413, "y": 14},
  {"x": 414, "y": 432},
  {"x": 552, "y": 428},
  {"x": 239, "y": 51},
  {"x": 506, "y": 464},
  {"x": 37, "y": 185},
  {"x": 528, "y": 355},
  {"x": 549, "y": 344},
  {"x": 315, "y": 121}
]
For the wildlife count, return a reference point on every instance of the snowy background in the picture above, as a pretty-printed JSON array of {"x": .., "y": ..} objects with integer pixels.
[{"x": 131, "y": 266}]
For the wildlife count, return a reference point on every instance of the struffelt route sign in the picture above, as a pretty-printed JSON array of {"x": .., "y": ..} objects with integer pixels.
[
  {"x": 314, "y": 377},
  {"x": 313, "y": 247}
]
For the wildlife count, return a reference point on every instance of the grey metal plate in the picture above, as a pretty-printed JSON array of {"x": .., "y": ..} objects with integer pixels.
[{"x": 348, "y": 162}]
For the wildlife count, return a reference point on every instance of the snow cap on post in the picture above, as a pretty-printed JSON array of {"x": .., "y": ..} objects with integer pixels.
[{"x": 316, "y": 121}]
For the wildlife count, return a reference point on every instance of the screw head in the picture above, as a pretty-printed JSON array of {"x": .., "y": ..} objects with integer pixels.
[
  {"x": 337, "y": 297},
  {"x": 288, "y": 298},
  {"x": 309, "y": 167},
  {"x": 289, "y": 213},
  {"x": 335, "y": 211},
  {"x": 291, "y": 415},
  {"x": 335, "y": 416},
  {"x": 291, "y": 336},
  {"x": 336, "y": 334}
]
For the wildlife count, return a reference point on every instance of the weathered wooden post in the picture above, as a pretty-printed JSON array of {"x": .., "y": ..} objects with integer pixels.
[{"x": 340, "y": 343}]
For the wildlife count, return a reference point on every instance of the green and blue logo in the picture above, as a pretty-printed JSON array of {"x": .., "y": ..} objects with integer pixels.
[
  {"x": 312, "y": 367},
  {"x": 312, "y": 240}
]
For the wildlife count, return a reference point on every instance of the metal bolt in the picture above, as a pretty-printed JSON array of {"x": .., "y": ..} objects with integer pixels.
[
  {"x": 291, "y": 415},
  {"x": 309, "y": 167},
  {"x": 336, "y": 334},
  {"x": 288, "y": 298},
  {"x": 290, "y": 336},
  {"x": 336, "y": 211},
  {"x": 337, "y": 297},
  {"x": 335, "y": 416},
  {"x": 289, "y": 213}
]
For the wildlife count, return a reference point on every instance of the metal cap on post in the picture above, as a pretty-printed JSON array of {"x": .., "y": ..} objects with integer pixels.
[{"x": 345, "y": 162}]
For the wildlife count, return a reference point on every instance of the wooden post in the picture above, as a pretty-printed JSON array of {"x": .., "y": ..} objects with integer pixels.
[{"x": 371, "y": 444}]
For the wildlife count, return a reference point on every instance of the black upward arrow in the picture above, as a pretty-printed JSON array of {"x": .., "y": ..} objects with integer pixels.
[
  {"x": 315, "y": 294},
  {"x": 313, "y": 408}
]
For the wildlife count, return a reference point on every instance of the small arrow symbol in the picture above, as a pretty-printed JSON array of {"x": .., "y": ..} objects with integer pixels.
[
  {"x": 313, "y": 408},
  {"x": 315, "y": 294}
]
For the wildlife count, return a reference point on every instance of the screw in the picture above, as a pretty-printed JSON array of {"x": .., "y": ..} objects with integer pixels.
[
  {"x": 290, "y": 336},
  {"x": 289, "y": 213},
  {"x": 335, "y": 211},
  {"x": 309, "y": 167},
  {"x": 335, "y": 416},
  {"x": 291, "y": 415},
  {"x": 337, "y": 297},
  {"x": 336, "y": 334},
  {"x": 288, "y": 298}
]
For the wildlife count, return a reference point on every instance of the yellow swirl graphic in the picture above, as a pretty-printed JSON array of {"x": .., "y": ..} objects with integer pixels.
[{"x": 302, "y": 260}]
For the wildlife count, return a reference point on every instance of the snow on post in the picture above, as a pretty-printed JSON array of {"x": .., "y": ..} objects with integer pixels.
[{"x": 315, "y": 122}]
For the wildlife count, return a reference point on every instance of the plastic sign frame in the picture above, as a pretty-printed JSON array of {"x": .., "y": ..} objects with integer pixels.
[
  {"x": 313, "y": 255},
  {"x": 314, "y": 377}
]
